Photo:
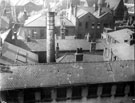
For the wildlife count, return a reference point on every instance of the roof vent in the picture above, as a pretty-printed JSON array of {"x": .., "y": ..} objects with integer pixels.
[{"x": 79, "y": 54}]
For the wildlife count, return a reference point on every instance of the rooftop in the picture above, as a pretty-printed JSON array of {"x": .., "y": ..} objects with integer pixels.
[
  {"x": 40, "y": 21},
  {"x": 64, "y": 44},
  {"x": 58, "y": 74},
  {"x": 85, "y": 10},
  {"x": 113, "y": 4},
  {"x": 124, "y": 51},
  {"x": 4, "y": 35},
  {"x": 86, "y": 58},
  {"x": 24, "y": 2},
  {"x": 104, "y": 11},
  {"x": 121, "y": 35},
  {"x": 15, "y": 54}
]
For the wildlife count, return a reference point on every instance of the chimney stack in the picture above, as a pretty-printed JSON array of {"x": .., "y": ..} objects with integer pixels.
[
  {"x": 0, "y": 46},
  {"x": 79, "y": 55},
  {"x": 75, "y": 10},
  {"x": 100, "y": 4},
  {"x": 62, "y": 31},
  {"x": 95, "y": 6},
  {"x": 50, "y": 38},
  {"x": 92, "y": 46},
  {"x": 57, "y": 50}
]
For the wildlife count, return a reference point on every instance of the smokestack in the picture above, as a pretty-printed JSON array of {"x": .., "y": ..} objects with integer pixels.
[{"x": 50, "y": 38}]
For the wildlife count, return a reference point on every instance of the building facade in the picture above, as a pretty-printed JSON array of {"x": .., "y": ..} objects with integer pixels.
[
  {"x": 35, "y": 27},
  {"x": 89, "y": 21}
]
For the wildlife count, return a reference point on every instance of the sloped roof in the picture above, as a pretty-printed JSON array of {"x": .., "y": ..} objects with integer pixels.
[
  {"x": 4, "y": 35},
  {"x": 6, "y": 19},
  {"x": 113, "y": 4},
  {"x": 86, "y": 58},
  {"x": 64, "y": 44},
  {"x": 88, "y": 9},
  {"x": 82, "y": 11},
  {"x": 40, "y": 21},
  {"x": 75, "y": 2},
  {"x": 46, "y": 75},
  {"x": 24, "y": 2},
  {"x": 5, "y": 61},
  {"x": 11, "y": 51},
  {"x": 124, "y": 51},
  {"x": 91, "y": 2},
  {"x": 104, "y": 11},
  {"x": 4, "y": 22},
  {"x": 121, "y": 35}
]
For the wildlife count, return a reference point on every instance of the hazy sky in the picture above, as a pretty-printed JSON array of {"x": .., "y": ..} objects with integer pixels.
[{"x": 13, "y": 2}]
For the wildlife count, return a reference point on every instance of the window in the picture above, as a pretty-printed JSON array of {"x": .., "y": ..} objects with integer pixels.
[
  {"x": 98, "y": 25},
  {"x": 10, "y": 96},
  {"x": 66, "y": 32},
  {"x": 131, "y": 90},
  {"x": 120, "y": 90},
  {"x": 61, "y": 94},
  {"x": 29, "y": 95},
  {"x": 80, "y": 24},
  {"x": 93, "y": 26},
  {"x": 92, "y": 91},
  {"x": 106, "y": 91},
  {"x": 34, "y": 33},
  {"x": 46, "y": 95},
  {"x": 41, "y": 33},
  {"x": 86, "y": 25},
  {"x": 76, "y": 92},
  {"x": 105, "y": 25}
]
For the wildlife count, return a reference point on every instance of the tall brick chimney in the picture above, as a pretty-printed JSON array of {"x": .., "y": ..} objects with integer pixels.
[{"x": 50, "y": 38}]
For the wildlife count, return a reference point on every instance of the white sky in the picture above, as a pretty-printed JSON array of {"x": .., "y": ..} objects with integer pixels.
[{"x": 13, "y": 2}]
